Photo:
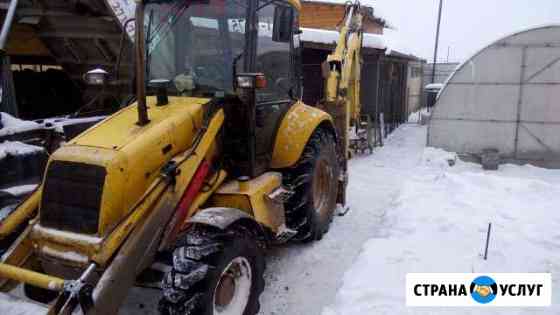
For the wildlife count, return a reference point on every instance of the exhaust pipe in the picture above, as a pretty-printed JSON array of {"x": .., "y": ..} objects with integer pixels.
[{"x": 141, "y": 65}]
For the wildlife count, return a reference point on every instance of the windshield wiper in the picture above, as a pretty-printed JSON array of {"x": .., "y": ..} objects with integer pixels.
[
  {"x": 148, "y": 41},
  {"x": 165, "y": 26}
]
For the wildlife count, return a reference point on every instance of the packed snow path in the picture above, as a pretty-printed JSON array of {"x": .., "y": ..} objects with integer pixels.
[
  {"x": 302, "y": 279},
  {"x": 438, "y": 223}
]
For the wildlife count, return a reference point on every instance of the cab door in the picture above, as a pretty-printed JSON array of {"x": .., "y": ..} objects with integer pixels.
[{"x": 275, "y": 58}]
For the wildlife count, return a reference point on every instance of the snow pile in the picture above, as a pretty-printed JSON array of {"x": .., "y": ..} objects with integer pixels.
[
  {"x": 11, "y": 125},
  {"x": 389, "y": 40},
  {"x": 438, "y": 158},
  {"x": 17, "y": 148},
  {"x": 20, "y": 190},
  {"x": 18, "y": 306},
  {"x": 438, "y": 223},
  {"x": 60, "y": 122},
  {"x": 5, "y": 212},
  {"x": 434, "y": 86},
  {"x": 320, "y": 36},
  {"x": 416, "y": 116}
]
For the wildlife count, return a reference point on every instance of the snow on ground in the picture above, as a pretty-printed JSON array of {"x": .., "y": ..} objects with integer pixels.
[
  {"x": 17, "y": 306},
  {"x": 302, "y": 279},
  {"x": 17, "y": 148},
  {"x": 438, "y": 223},
  {"x": 11, "y": 125},
  {"x": 415, "y": 117},
  {"x": 20, "y": 190}
]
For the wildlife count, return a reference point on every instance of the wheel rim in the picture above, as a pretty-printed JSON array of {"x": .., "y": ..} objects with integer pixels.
[
  {"x": 322, "y": 187},
  {"x": 233, "y": 289}
]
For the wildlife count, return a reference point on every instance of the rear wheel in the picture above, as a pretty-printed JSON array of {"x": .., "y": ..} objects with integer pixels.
[
  {"x": 314, "y": 180},
  {"x": 214, "y": 272}
]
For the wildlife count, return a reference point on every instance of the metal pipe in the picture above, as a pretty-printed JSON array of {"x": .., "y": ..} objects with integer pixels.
[
  {"x": 141, "y": 65},
  {"x": 22, "y": 213},
  {"x": 437, "y": 42},
  {"x": 487, "y": 240},
  {"x": 31, "y": 277},
  {"x": 8, "y": 23}
]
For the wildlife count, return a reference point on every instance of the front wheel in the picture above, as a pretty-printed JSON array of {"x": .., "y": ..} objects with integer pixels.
[{"x": 214, "y": 272}]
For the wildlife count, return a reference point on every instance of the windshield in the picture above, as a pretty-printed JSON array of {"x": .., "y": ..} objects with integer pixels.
[{"x": 194, "y": 43}]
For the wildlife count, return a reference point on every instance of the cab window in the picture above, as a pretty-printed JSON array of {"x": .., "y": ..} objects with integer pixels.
[{"x": 273, "y": 57}]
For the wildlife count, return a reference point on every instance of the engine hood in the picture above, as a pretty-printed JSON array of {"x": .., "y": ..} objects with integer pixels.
[
  {"x": 105, "y": 170},
  {"x": 121, "y": 129}
]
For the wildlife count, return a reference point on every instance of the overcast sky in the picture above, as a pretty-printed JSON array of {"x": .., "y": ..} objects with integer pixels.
[{"x": 467, "y": 25}]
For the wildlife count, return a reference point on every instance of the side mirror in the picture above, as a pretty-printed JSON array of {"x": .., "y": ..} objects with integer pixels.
[
  {"x": 96, "y": 77},
  {"x": 283, "y": 24}
]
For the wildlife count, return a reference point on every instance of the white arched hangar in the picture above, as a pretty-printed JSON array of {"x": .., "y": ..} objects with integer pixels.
[{"x": 504, "y": 98}]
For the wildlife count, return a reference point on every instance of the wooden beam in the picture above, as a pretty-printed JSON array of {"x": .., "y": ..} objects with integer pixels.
[{"x": 79, "y": 35}]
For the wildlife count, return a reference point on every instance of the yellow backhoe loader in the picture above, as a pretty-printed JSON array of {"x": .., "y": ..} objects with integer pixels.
[{"x": 218, "y": 162}]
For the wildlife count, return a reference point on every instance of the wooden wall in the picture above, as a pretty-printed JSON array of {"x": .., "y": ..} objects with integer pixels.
[{"x": 328, "y": 16}]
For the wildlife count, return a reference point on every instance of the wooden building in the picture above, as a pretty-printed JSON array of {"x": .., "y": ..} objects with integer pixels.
[
  {"x": 327, "y": 15},
  {"x": 391, "y": 79}
]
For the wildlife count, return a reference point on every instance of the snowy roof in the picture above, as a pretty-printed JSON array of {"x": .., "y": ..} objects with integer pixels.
[
  {"x": 434, "y": 86},
  {"x": 314, "y": 35},
  {"x": 11, "y": 125},
  {"x": 395, "y": 43},
  {"x": 390, "y": 41},
  {"x": 17, "y": 148}
]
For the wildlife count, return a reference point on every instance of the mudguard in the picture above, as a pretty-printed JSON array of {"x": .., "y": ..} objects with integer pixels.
[
  {"x": 295, "y": 130},
  {"x": 221, "y": 218}
]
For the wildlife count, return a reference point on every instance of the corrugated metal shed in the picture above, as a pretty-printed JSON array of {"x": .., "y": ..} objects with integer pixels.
[{"x": 505, "y": 97}]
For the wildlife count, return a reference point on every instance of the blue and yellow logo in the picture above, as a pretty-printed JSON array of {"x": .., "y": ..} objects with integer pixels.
[{"x": 484, "y": 289}]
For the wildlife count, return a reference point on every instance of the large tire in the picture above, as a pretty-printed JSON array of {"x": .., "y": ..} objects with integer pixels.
[
  {"x": 207, "y": 263},
  {"x": 314, "y": 180}
]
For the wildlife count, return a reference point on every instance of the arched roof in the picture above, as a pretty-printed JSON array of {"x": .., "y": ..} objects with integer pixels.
[{"x": 505, "y": 97}]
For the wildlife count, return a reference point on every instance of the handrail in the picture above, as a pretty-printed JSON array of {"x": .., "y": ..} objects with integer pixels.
[{"x": 31, "y": 277}]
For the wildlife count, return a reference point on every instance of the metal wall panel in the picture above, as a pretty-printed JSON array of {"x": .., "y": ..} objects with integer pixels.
[
  {"x": 505, "y": 97},
  {"x": 481, "y": 102},
  {"x": 472, "y": 136}
]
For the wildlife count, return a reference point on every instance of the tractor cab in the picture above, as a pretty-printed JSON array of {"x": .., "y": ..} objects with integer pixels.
[{"x": 243, "y": 55}]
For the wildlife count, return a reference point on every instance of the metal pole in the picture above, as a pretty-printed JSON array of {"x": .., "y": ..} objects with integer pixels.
[
  {"x": 437, "y": 42},
  {"x": 487, "y": 240},
  {"x": 8, "y": 23}
]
